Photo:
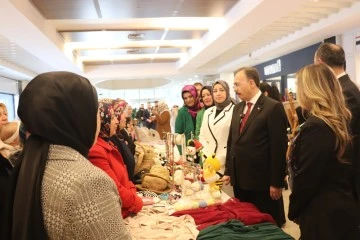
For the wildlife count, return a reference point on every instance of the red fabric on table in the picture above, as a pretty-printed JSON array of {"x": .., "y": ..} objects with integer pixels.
[{"x": 231, "y": 209}]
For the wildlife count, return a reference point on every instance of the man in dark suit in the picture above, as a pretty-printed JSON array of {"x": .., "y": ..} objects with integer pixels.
[
  {"x": 256, "y": 148},
  {"x": 334, "y": 56},
  {"x": 142, "y": 115}
]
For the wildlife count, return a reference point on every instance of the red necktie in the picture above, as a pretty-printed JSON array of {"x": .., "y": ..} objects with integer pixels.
[{"x": 243, "y": 122}]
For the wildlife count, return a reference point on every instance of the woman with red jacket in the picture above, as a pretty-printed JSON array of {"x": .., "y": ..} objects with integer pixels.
[{"x": 106, "y": 156}]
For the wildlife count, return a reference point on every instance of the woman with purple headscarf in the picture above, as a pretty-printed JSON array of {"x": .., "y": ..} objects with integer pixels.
[{"x": 186, "y": 118}]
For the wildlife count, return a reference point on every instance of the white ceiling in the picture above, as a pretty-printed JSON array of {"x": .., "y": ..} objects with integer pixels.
[{"x": 182, "y": 38}]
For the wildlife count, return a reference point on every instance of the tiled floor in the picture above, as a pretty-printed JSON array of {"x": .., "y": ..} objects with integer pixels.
[{"x": 290, "y": 227}]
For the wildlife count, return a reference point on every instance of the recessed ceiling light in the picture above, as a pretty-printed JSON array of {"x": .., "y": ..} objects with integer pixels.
[
  {"x": 133, "y": 51},
  {"x": 136, "y": 36}
]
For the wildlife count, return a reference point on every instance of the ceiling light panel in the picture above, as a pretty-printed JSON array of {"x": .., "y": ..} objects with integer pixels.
[
  {"x": 110, "y": 9},
  {"x": 108, "y": 36},
  {"x": 118, "y": 52},
  {"x": 132, "y": 44},
  {"x": 130, "y": 57},
  {"x": 125, "y": 61}
]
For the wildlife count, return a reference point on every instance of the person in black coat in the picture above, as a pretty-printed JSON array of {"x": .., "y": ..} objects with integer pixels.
[
  {"x": 128, "y": 135},
  {"x": 5, "y": 170},
  {"x": 121, "y": 138},
  {"x": 142, "y": 115},
  {"x": 256, "y": 147},
  {"x": 322, "y": 200},
  {"x": 334, "y": 56}
]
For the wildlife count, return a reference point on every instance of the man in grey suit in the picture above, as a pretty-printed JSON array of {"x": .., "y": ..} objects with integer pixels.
[{"x": 256, "y": 148}]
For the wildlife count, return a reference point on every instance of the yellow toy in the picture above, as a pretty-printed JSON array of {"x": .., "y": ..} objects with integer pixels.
[{"x": 211, "y": 175}]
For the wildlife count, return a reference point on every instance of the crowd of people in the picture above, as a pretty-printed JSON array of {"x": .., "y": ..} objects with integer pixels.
[{"x": 69, "y": 171}]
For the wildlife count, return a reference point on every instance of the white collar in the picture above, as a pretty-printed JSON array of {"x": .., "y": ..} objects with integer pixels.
[
  {"x": 255, "y": 98},
  {"x": 341, "y": 75}
]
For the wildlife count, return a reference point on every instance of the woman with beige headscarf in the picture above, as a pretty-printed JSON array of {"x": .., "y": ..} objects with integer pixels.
[{"x": 162, "y": 114}]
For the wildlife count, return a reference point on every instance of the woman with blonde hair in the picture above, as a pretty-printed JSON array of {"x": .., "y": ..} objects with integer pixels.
[{"x": 322, "y": 200}]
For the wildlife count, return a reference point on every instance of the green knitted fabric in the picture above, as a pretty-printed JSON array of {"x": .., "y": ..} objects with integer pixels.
[{"x": 234, "y": 229}]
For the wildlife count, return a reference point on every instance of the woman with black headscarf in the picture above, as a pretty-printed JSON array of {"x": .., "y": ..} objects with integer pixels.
[{"x": 59, "y": 194}]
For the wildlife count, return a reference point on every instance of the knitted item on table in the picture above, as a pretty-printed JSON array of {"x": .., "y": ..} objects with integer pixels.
[
  {"x": 158, "y": 180},
  {"x": 231, "y": 209},
  {"x": 145, "y": 158}
]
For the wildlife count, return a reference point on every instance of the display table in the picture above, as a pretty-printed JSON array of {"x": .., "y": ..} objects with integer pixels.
[
  {"x": 240, "y": 219},
  {"x": 197, "y": 212}
]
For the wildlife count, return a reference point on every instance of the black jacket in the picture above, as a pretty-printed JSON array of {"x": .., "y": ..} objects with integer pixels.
[
  {"x": 321, "y": 198},
  {"x": 352, "y": 97},
  {"x": 256, "y": 158}
]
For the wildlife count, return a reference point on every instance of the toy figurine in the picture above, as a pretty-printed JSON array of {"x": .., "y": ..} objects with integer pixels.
[
  {"x": 191, "y": 151},
  {"x": 211, "y": 175}
]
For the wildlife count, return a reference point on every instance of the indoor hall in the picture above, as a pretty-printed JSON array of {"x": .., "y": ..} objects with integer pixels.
[{"x": 145, "y": 51}]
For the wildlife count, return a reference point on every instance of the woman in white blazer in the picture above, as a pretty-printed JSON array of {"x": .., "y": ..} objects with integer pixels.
[{"x": 216, "y": 122}]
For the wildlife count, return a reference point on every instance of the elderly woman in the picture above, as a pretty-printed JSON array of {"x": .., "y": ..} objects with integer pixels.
[
  {"x": 162, "y": 114},
  {"x": 107, "y": 157},
  {"x": 9, "y": 137},
  {"x": 57, "y": 191},
  {"x": 3, "y": 115}
]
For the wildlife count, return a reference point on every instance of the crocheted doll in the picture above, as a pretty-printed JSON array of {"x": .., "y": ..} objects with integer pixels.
[{"x": 211, "y": 175}]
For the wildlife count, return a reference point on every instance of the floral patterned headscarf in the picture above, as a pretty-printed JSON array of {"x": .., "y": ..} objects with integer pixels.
[
  {"x": 106, "y": 113},
  {"x": 119, "y": 106}
]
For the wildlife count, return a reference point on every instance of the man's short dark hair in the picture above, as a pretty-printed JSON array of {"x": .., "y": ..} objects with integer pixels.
[
  {"x": 331, "y": 54},
  {"x": 251, "y": 73}
]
